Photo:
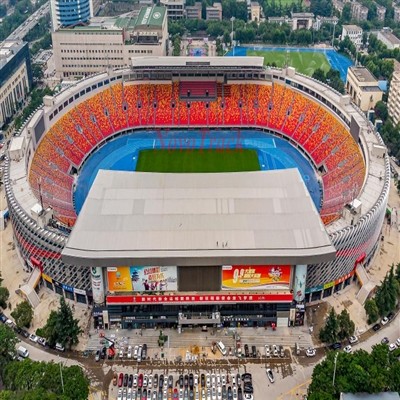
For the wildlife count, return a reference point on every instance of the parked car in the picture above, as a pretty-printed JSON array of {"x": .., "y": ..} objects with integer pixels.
[
  {"x": 135, "y": 352},
  {"x": 115, "y": 379},
  {"x": 267, "y": 351},
  {"x": 3, "y": 318},
  {"x": 129, "y": 353},
  {"x": 144, "y": 351},
  {"x": 24, "y": 333},
  {"x": 398, "y": 342},
  {"x": 140, "y": 380},
  {"x": 336, "y": 346},
  {"x": 139, "y": 353},
  {"x": 310, "y": 352},
  {"x": 270, "y": 375},
  {"x": 41, "y": 341},
  {"x": 385, "y": 340},
  {"x": 282, "y": 352},
  {"x": 120, "y": 379},
  {"x": 155, "y": 381},
  {"x": 392, "y": 346},
  {"x": 126, "y": 378},
  {"x": 390, "y": 316},
  {"x": 33, "y": 338},
  {"x": 347, "y": 349},
  {"x": 353, "y": 339},
  {"x": 384, "y": 321},
  {"x": 275, "y": 350},
  {"x": 376, "y": 327},
  {"x": 254, "y": 351},
  {"x": 246, "y": 350}
]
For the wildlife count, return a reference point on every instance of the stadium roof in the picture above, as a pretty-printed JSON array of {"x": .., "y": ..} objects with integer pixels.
[
  {"x": 139, "y": 218},
  {"x": 236, "y": 62}
]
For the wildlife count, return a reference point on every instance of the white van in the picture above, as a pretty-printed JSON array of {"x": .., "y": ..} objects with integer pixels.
[
  {"x": 23, "y": 352},
  {"x": 59, "y": 347},
  {"x": 221, "y": 347}
]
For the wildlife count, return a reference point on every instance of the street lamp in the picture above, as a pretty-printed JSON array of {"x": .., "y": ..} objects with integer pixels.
[
  {"x": 61, "y": 375},
  {"x": 334, "y": 369},
  {"x": 233, "y": 46}
]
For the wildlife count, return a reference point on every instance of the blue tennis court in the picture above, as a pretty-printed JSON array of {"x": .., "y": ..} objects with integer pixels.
[
  {"x": 336, "y": 60},
  {"x": 121, "y": 154}
]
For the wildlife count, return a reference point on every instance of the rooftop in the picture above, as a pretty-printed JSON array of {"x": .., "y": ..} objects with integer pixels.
[
  {"x": 207, "y": 219},
  {"x": 362, "y": 74},
  {"x": 352, "y": 28},
  {"x": 151, "y": 16},
  {"x": 390, "y": 37},
  {"x": 8, "y": 50},
  {"x": 368, "y": 396}
]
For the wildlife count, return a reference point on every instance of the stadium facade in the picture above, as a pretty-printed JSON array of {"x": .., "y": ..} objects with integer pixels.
[{"x": 349, "y": 158}]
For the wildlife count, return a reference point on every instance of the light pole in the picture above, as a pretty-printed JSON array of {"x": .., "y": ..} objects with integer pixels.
[
  {"x": 333, "y": 36},
  {"x": 233, "y": 46},
  {"x": 334, "y": 369},
  {"x": 61, "y": 375}
]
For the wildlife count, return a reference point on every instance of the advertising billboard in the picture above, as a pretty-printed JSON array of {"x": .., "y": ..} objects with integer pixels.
[
  {"x": 255, "y": 277},
  {"x": 97, "y": 285},
  {"x": 142, "y": 279}
]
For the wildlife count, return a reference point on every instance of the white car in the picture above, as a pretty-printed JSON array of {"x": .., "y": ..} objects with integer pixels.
[
  {"x": 213, "y": 379},
  {"x": 196, "y": 380},
  {"x": 347, "y": 349},
  {"x": 310, "y": 352},
  {"x": 208, "y": 381},
  {"x": 270, "y": 375},
  {"x": 398, "y": 341},
  {"x": 233, "y": 380},
  {"x": 119, "y": 394},
  {"x": 384, "y": 321},
  {"x": 129, "y": 354},
  {"x": 135, "y": 379},
  {"x": 145, "y": 380},
  {"x": 135, "y": 352},
  {"x": 223, "y": 379},
  {"x": 275, "y": 350},
  {"x": 353, "y": 339},
  {"x": 121, "y": 353},
  {"x": 219, "y": 393},
  {"x": 392, "y": 346},
  {"x": 248, "y": 396},
  {"x": 150, "y": 381},
  {"x": 234, "y": 391},
  {"x": 139, "y": 354},
  {"x": 203, "y": 394},
  {"x": 218, "y": 380},
  {"x": 213, "y": 394},
  {"x": 267, "y": 350},
  {"x": 33, "y": 338}
]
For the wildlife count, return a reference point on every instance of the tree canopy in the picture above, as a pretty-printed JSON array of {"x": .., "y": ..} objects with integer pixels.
[
  {"x": 8, "y": 341},
  {"x": 61, "y": 326},
  {"x": 23, "y": 314}
]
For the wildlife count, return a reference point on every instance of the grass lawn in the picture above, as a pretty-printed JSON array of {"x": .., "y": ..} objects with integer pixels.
[
  {"x": 304, "y": 62},
  {"x": 199, "y": 160}
]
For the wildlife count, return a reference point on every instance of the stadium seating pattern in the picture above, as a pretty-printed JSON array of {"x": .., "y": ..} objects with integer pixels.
[{"x": 122, "y": 106}]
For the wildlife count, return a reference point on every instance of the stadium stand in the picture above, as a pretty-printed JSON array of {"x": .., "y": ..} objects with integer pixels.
[{"x": 275, "y": 107}]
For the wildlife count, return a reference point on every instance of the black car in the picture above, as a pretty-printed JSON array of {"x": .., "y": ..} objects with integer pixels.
[
  {"x": 254, "y": 351},
  {"x": 376, "y": 327},
  {"x": 161, "y": 382},
  {"x": 203, "y": 380},
  {"x": 336, "y": 346},
  {"x": 239, "y": 393},
  {"x": 246, "y": 377},
  {"x": 126, "y": 378},
  {"x": 130, "y": 380},
  {"x": 248, "y": 388},
  {"x": 191, "y": 394},
  {"x": 155, "y": 381},
  {"x": 24, "y": 333},
  {"x": 3, "y": 318},
  {"x": 191, "y": 381},
  {"x": 17, "y": 329},
  {"x": 170, "y": 381},
  {"x": 246, "y": 350},
  {"x": 160, "y": 395},
  {"x": 230, "y": 394},
  {"x": 144, "y": 351},
  {"x": 103, "y": 353},
  {"x": 186, "y": 380},
  {"x": 181, "y": 381},
  {"x": 139, "y": 393},
  {"x": 390, "y": 316},
  {"x": 385, "y": 340},
  {"x": 224, "y": 393}
]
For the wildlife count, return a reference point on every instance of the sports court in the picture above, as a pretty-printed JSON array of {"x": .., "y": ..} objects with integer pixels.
[{"x": 123, "y": 153}]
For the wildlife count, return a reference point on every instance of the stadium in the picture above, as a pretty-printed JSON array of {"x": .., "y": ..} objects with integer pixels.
[{"x": 256, "y": 191}]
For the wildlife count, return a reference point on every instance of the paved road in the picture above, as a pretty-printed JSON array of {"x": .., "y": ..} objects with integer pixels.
[{"x": 30, "y": 23}]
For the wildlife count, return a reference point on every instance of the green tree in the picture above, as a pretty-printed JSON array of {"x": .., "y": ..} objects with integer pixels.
[
  {"x": 329, "y": 333},
  {"x": 8, "y": 340},
  {"x": 23, "y": 314},
  {"x": 372, "y": 311},
  {"x": 381, "y": 111},
  {"x": 4, "y": 295},
  {"x": 346, "y": 325},
  {"x": 319, "y": 74},
  {"x": 346, "y": 13},
  {"x": 61, "y": 326}
]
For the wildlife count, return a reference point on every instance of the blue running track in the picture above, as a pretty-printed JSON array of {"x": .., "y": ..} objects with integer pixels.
[{"x": 121, "y": 154}]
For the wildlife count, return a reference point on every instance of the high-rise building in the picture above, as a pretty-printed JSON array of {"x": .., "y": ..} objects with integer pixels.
[
  {"x": 394, "y": 98},
  {"x": 70, "y": 12}
]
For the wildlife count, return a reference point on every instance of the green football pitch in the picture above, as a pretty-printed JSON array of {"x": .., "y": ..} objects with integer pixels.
[
  {"x": 305, "y": 62},
  {"x": 199, "y": 160}
]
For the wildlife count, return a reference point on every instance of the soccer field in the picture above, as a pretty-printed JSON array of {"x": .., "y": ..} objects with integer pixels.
[
  {"x": 305, "y": 62},
  {"x": 199, "y": 160}
]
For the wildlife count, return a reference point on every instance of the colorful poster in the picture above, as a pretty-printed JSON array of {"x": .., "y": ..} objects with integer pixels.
[
  {"x": 300, "y": 282},
  {"x": 142, "y": 279},
  {"x": 255, "y": 277},
  {"x": 97, "y": 285}
]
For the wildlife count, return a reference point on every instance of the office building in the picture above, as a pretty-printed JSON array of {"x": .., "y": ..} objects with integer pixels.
[
  {"x": 70, "y": 13},
  {"x": 354, "y": 32},
  {"x": 15, "y": 78},
  {"x": 108, "y": 43}
]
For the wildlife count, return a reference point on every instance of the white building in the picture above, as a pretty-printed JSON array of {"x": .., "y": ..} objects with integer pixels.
[
  {"x": 354, "y": 32},
  {"x": 363, "y": 88},
  {"x": 255, "y": 11},
  {"x": 358, "y": 11},
  {"x": 110, "y": 42},
  {"x": 394, "y": 98},
  {"x": 388, "y": 38}
]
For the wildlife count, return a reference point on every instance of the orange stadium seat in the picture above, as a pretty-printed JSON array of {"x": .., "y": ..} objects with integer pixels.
[
  {"x": 131, "y": 98},
  {"x": 98, "y": 115}
]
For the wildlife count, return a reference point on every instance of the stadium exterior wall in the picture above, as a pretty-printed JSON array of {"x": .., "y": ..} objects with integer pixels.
[{"x": 44, "y": 244}]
